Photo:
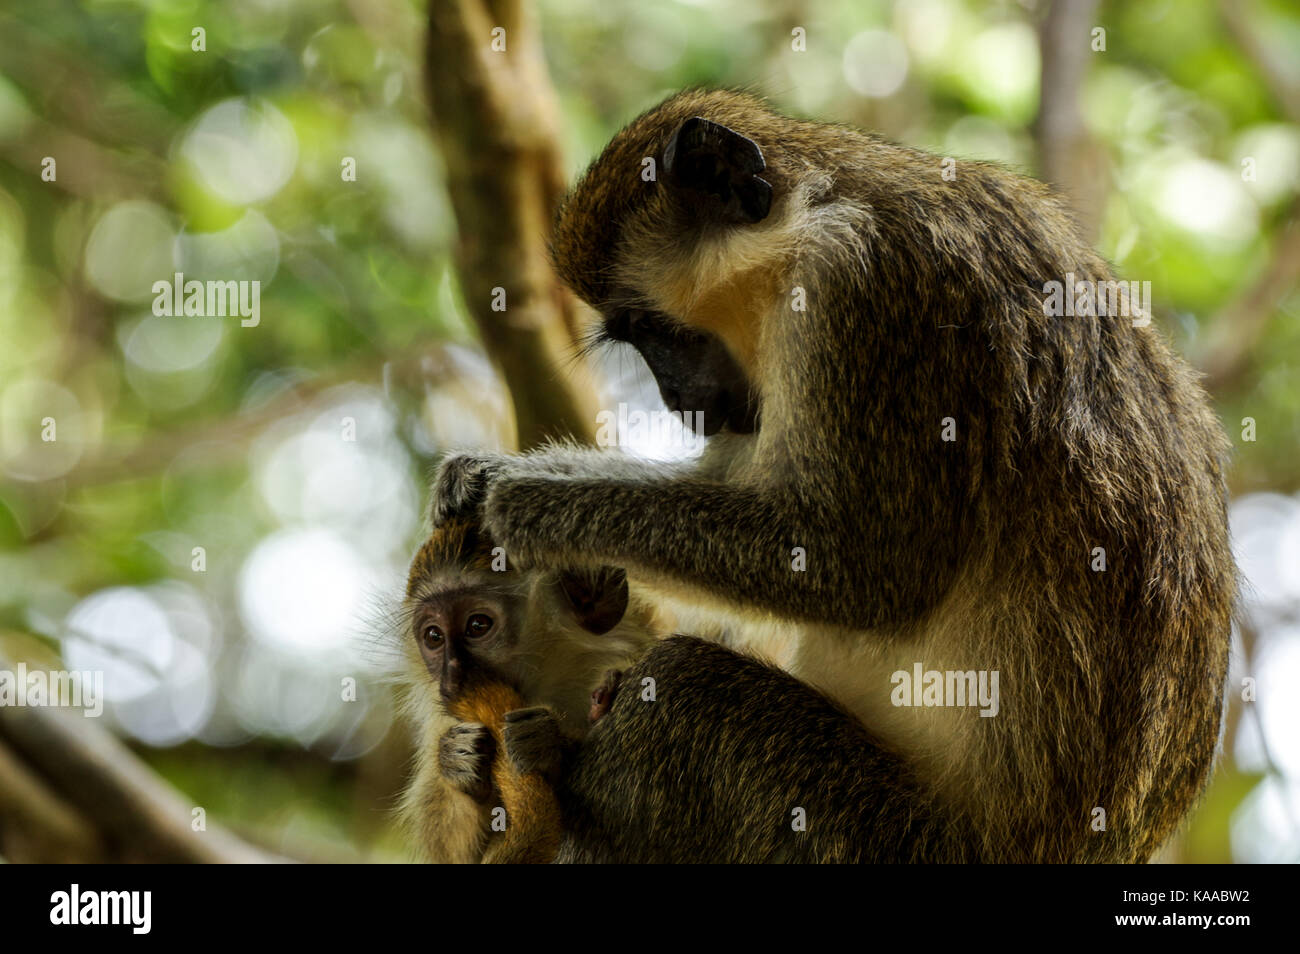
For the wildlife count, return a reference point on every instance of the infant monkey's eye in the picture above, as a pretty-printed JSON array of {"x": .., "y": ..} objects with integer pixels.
[
  {"x": 431, "y": 637},
  {"x": 480, "y": 624}
]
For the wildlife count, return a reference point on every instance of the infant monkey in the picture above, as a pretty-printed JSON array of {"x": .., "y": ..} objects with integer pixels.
[
  {"x": 705, "y": 755},
  {"x": 482, "y": 647}
]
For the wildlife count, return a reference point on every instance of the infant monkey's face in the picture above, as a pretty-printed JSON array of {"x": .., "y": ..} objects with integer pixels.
[{"x": 467, "y": 633}]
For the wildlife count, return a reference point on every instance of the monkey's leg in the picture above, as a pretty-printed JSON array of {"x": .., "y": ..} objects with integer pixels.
[
  {"x": 730, "y": 760},
  {"x": 532, "y": 823}
]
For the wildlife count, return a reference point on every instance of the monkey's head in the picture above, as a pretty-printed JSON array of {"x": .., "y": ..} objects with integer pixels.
[
  {"x": 673, "y": 235},
  {"x": 472, "y": 621}
]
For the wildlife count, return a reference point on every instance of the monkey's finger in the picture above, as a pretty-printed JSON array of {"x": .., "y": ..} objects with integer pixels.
[
  {"x": 533, "y": 741},
  {"x": 602, "y": 698},
  {"x": 461, "y": 486}
]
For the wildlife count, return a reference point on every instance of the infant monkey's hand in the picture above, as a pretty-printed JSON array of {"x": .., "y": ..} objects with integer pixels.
[
  {"x": 534, "y": 742},
  {"x": 465, "y": 754}
]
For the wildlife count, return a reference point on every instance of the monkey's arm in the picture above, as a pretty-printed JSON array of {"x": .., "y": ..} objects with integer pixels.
[
  {"x": 463, "y": 479},
  {"x": 655, "y": 523},
  {"x": 484, "y": 768},
  {"x": 800, "y": 553},
  {"x": 445, "y": 807},
  {"x": 524, "y": 768}
]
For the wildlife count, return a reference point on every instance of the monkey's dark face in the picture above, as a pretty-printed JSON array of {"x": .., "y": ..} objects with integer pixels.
[
  {"x": 466, "y": 634},
  {"x": 625, "y": 237},
  {"x": 694, "y": 371}
]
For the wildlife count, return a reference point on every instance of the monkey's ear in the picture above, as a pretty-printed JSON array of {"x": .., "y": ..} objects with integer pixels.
[
  {"x": 709, "y": 158},
  {"x": 598, "y": 597}
]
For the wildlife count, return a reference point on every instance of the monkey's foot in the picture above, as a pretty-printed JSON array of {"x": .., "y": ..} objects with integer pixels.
[
  {"x": 533, "y": 741},
  {"x": 465, "y": 754},
  {"x": 602, "y": 699}
]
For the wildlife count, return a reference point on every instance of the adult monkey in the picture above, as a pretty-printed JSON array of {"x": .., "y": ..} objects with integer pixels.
[{"x": 974, "y": 483}]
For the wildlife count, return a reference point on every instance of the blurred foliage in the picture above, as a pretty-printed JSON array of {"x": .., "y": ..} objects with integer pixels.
[{"x": 227, "y": 163}]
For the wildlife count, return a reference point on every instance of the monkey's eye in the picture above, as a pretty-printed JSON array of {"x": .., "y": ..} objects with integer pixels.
[
  {"x": 431, "y": 637},
  {"x": 478, "y": 625}
]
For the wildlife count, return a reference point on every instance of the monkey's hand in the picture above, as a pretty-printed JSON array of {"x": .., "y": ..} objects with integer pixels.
[
  {"x": 602, "y": 698},
  {"x": 465, "y": 754},
  {"x": 534, "y": 742},
  {"x": 464, "y": 481},
  {"x": 461, "y": 486}
]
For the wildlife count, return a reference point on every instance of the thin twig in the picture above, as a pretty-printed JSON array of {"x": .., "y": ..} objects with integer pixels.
[{"x": 1071, "y": 160}]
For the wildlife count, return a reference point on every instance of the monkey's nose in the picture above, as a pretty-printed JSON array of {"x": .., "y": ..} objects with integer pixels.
[{"x": 452, "y": 677}]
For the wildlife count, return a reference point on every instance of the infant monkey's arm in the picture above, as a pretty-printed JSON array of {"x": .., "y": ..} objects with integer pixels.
[{"x": 525, "y": 766}]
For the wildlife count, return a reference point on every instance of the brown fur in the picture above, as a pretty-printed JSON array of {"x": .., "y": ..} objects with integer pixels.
[
  {"x": 456, "y": 543},
  {"x": 532, "y": 834},
  {"x": 925, "y": 302},
  {"x": 545, "y": 658},
  {"x": 714, "y": 768}
]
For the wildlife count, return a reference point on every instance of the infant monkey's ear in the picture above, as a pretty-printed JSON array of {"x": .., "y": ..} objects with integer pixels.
[
  {"x": 708, "y": 158},
  {"x": 598, "y": 597}
]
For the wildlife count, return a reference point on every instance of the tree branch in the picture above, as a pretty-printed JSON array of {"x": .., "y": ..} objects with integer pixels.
[
  {"x": 496, "y": 123},
  {"x": 1071, "y": 161},
  {"x": 139, "y": 813},
  {"x": 36, "y": 824},
  {"x": 1233, "y": 334},
  {"x": 1270, "y": 61}
]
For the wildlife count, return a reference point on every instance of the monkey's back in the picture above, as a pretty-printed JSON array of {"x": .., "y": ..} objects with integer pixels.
[{"x": 1075, "y": 524}]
